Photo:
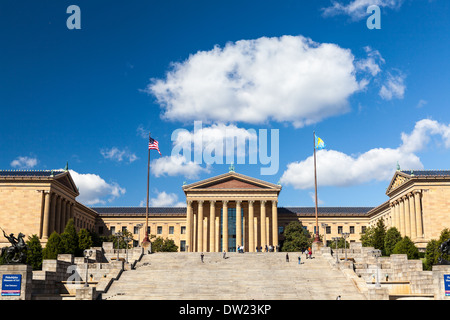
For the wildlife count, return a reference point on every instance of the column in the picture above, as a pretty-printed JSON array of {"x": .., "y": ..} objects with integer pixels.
[
  {"x": 402, "y": 217},
  {"x": 412, "y": 213},
  {"x": 212, "y": 226},
  {"x": 53, "y": 213},
  {"x": 200, "y": 226},
  {"x": 217, "y": 241},
  {"x": 72, "y": 216},
  {"x": 274, "y": 224},
  {"x": 407, "y": 217},
  {"x": 58, "y": 215},
  {"x": 63, "y": 215},
  {"x": 205, "y": 233},
  {"x": 225, "y": 226},
  {"x": 194, "y": 232},
  {"x": 68, "y": 211},
  {"x": 238, "y": 224},
  {"x": 189, "y": 226},
  {"x": 418, "y": 209},
  {"x": 251, "y": 237},
  {"x": 46, "y": 222},
  {"x": 263, "y": 224},
  {"x": 397, "y": 215}
]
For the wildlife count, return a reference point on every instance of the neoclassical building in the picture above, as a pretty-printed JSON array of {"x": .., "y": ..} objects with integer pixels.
[{"x": 223, "y": 212}]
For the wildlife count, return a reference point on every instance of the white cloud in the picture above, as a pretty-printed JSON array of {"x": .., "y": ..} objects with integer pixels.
[
  {"x": 285, "y": 79},
  {"x": 164, "y": 199},
  {"x": 175, "y": 166},
  {"x": 216, "y": 142},
  {"x": 421, "y": 103},
  {"x": 372, "y": 63},
  {"x": 313, "y": 198},
  {"x": 357, "y": 9},
  {"x": 24, "y": 163},
  {"x": 419, "y": 138},
  {"x": 118, "y": 155},
  {"x": 95, "y": 190},
  {"x": 336, "y": 168},
  {"x": 394, "y": 87}
]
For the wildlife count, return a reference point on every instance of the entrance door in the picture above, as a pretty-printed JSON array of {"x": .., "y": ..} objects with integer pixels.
[{"x": 231, "y": 229}]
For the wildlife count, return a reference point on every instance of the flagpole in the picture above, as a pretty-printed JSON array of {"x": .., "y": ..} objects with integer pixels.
[
  {"x": 146, "y": 241},
  {"x": 316, "y": 238}
]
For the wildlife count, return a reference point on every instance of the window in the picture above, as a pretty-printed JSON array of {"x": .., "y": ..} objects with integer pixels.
[
  {"x": 171, "y": 230},
  {"x": 363, "y": 229},
  {"x": 183, "y": 230},
  {"x": 352, "y": 229},
  {"x": 148, "y": 229},
  {"x": 124, "y": 229},
  {"x": 280, "y": 230},
  {"x": 339, "y": 229},
  {"x": 182, "y": 245},
  {"x": 328, "y": 230},
  {"x": 159, "y": 230},
  {"x": 135, "y": 230},
  {"x": 100, "y": 230},
  {"x": 113, "y": 230}
]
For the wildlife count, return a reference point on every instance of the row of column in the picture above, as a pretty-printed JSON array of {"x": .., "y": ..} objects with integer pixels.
[
  {"x": 57, "y": 212},
  {"x": 406, "y": 213},
  {"x": 198, "y": 225}
]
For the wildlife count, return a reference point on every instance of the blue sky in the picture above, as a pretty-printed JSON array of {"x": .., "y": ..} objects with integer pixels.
[{"x": 88, "y": 96}]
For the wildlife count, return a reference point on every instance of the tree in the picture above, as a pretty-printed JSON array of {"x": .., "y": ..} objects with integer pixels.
[
  {"x": 84, "y": 240},
  {"x": 297, "y": 238},
  {"x": 431, "y": 254},
  {"x": 69, "y": 239},
  {"x": 164, "y": 245},
  {"x": 390, "y": 240},
  {"x": 54, "y": 247},
  {"x": 406, "y": 246},
  {"x": 34, "y": 254},
  {"x": 367, "y": 237},
  {"x": 379, "y": 235}
]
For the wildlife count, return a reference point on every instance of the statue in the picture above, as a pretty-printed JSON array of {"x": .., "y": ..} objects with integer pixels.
[
  {"x": 16, "y": 253},
  {"x": 444, "y": 248}
]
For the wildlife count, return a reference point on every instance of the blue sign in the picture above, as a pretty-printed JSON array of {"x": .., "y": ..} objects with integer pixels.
[
  {"x": 11, "y": 284},
  {"x": 447, "y": 284}
]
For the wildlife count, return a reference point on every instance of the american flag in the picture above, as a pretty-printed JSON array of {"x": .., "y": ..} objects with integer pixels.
[{"x": 153, "y": 144}]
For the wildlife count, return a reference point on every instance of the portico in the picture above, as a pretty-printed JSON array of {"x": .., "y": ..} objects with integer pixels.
[{"x": 231, "y": 210}]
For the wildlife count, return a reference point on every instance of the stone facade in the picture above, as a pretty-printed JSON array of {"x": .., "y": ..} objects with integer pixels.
[{"x": 40, "y": 202}]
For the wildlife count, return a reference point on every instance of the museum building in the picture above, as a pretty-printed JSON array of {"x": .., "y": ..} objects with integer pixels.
[{"x": 222, "y": 212}]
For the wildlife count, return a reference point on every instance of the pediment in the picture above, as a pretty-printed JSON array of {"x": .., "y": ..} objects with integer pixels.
[
  {"x": 229, "y": 181},
  {"x": 398, "y": 179},
  {"x": 66, "y": 180}
]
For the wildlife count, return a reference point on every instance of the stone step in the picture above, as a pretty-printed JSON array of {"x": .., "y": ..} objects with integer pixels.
[{"x": 241, "y": 276}]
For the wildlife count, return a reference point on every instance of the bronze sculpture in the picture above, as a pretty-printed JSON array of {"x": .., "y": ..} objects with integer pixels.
[
  {"x": 16, "y": 253},
  {"x": 444, "y": 248}
]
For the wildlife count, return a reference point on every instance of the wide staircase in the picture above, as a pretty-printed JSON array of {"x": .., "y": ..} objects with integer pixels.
[{"x": 241, "y": 276}]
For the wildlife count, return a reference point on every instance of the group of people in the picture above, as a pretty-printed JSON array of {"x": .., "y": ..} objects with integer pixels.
[{"x": 240, "y": 249}]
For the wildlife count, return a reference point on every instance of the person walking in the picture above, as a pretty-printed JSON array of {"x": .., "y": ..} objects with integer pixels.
[
  {"x": 299, "y": 260},
  {"x": 287, "y": 257},
  {"x": 201, "y": 256},
  {"x": 224, "y": 254},
  {"x": 310, "y": 252}
]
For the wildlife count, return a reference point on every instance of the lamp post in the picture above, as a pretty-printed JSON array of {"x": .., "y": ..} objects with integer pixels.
[
  {"x": 345, "y": 235},
  {"x": 126, "y": 239},
  {"x": 324, "y": 226},
  {"x": 118, "y": 235},
  {"x": 139, "y": 226},
  {"x": 87, "y": 254},
  {"x": 377, "y": 253},
  {"x": 336, "y": 239}
]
